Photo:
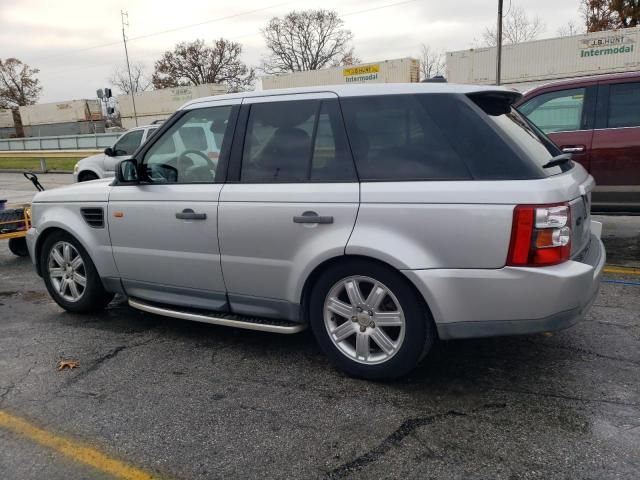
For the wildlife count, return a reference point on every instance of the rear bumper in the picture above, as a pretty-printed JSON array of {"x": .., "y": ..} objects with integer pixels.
[{"x": 512, "y": 300}]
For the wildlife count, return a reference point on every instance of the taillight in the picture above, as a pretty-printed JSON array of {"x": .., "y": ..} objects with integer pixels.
[{"x": 541, "y": 235}]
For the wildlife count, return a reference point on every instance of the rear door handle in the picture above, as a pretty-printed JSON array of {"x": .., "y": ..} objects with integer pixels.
[
  {"x": 573, "y": 149},
  {"x": 188, "y": 214},
  {"x": 312, "y": 217}
]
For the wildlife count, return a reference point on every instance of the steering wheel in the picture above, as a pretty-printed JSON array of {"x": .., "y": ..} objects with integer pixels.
[
  {"x": 183, "y": 157},
  {"x": 187, "y": 169}
]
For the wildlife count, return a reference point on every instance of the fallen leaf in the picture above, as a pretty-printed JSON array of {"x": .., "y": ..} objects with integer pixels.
[
  {"x": 547, "y": 334},
  {"x": 70, "y": 364}
]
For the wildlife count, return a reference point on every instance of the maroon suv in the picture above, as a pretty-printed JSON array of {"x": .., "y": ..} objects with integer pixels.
[{"x": 597, "y": 119}]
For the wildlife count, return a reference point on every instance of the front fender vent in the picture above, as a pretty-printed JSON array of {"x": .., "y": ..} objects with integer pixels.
[{"x": 93, "y": 216}]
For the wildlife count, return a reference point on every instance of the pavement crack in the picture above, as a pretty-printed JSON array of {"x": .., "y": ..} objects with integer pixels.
[
  {"x": 98, "y": 363},
  {"x": 394, "y": 439}
]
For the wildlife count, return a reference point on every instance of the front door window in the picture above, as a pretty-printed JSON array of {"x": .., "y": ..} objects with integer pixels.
[{"x": 189, "y": 151}]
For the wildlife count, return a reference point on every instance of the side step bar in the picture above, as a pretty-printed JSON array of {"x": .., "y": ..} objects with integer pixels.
[{"x": 224, "y": 319}]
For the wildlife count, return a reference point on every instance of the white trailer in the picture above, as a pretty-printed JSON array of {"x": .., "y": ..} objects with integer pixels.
[
  {"x": 529, "y": 64},
  {"x": 73, "y": 117},
  {"x": 403, "y": 70},
  {"x": 160, "y": 104},
  {"x": 7, "y": 124}
]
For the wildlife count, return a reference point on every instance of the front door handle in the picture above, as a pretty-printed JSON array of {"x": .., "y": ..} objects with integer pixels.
[
  {"x": 188, "y": 214},
  {"x": 312, "y": 217},
  {"x": 573, "y": 149}
]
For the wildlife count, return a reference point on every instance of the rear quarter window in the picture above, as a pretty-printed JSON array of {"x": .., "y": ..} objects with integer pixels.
[
  {"x": 394, "y": 137},
  {"x": 444, "y": 136}
]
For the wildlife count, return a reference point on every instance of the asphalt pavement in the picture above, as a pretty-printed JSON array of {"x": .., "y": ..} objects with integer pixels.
[{"x": 178, "y": 399}]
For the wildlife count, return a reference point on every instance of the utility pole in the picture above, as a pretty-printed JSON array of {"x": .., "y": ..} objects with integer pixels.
[
  {"x": 125, "y": 23},
  {"x": 499, "y": 43}
]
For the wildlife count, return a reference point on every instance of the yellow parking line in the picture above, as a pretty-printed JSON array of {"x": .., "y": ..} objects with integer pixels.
[
  {"x": 72, "y": 449},
  {"x": 623, "y": 270}
]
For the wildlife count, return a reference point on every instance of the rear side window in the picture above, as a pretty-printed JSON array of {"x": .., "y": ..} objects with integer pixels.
[
  {"x": 556, "y": 111},
  {"x": 444, "y": 136},
  {"x": 394, "y": 137},
  {"x": 296, "y": 141},
  {"x": 624, "y": 105}
]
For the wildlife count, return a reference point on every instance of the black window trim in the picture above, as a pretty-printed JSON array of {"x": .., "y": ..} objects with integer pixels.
[{"x": 225, "y": 148}]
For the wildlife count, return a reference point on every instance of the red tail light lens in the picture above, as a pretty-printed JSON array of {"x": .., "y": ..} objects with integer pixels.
[{"x": 540, "y": 235}]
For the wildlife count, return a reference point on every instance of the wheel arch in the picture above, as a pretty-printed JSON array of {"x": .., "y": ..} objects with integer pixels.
[
  {"x": 328, "y": 263},
  {"x": 95, "y": 241},
  {"x": 86, "y": 171}
]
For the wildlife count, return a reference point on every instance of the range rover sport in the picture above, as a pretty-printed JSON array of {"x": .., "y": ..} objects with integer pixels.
[{"x": 383, "y": 216}]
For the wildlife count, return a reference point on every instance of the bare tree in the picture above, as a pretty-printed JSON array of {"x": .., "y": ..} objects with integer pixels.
[
  {"x": 517, "y": 27},
  {"x": 610, "y": 14},
  {"x": 570, "y": 29},
  {"x": 431, "y": 62},
  {"x": 307, "y": 40},
  {"x": 120, "y": 79},
  {"x": 18, "y": 84},
  {"x": 195, "y": 63}
]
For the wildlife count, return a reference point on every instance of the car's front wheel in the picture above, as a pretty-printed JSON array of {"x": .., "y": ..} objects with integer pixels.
[
  {"x": 70, "y": 276},
  {"x": 369, "y": 320}
]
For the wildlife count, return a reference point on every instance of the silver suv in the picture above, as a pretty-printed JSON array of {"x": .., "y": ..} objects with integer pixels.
[{"x": 384, "y": 217}]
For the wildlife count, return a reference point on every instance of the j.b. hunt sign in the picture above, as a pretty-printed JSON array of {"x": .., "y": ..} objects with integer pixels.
[{"x": 611, "y": 45}]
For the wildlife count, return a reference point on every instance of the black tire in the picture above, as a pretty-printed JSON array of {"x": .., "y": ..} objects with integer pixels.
[
  {"x": 94, "y": 297},
  {"x": 18, "y": 246},
  {"x": 420, "y": 333},
  {"x": 86, "y": 176}
]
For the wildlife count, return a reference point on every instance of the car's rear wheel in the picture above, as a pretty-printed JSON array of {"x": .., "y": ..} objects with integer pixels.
[
  {"x": 70, "y": 276},
  {"x": 86, "y": 176},
  {"x": 369, "y": 319}
]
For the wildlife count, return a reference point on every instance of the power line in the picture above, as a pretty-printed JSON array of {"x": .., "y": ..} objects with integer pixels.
[
  {"x": 170, "y": 30},
  {"x": 213, "y": 20}
]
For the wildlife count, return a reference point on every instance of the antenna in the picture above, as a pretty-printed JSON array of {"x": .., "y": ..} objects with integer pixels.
[{"x": 125, "y": 23}]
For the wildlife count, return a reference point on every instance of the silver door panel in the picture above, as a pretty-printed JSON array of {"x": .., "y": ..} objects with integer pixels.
[{"x": 264, "y": 252}]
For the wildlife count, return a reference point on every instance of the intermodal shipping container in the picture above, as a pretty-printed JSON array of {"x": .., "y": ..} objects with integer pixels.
[
  {"x": 528, "y": 64},
  {"x": 160, "y": 104},
  {"x": 403, "y": 70},
  {"x": 61, "y": 112}
]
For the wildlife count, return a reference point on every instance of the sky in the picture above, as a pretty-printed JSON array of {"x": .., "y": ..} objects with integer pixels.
[{"x": 77, "y": 44}]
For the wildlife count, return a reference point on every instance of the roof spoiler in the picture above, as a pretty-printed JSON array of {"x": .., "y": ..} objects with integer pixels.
[{"x": 495, "y": 102}]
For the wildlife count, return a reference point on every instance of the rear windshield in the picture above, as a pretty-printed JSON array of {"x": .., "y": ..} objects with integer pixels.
[{"x": 443, "y": 137}]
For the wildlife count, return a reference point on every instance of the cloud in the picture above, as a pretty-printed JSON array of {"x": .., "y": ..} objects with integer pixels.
[{"x": 58, "y": 37}]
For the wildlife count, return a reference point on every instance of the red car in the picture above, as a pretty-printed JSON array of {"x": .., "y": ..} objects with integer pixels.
[{"x": 597, "y": 119}]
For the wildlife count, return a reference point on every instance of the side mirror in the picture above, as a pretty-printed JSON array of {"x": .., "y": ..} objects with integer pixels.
[
  {"x": 127, "y": 171},
  {"x": 109, "y": 152}
]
